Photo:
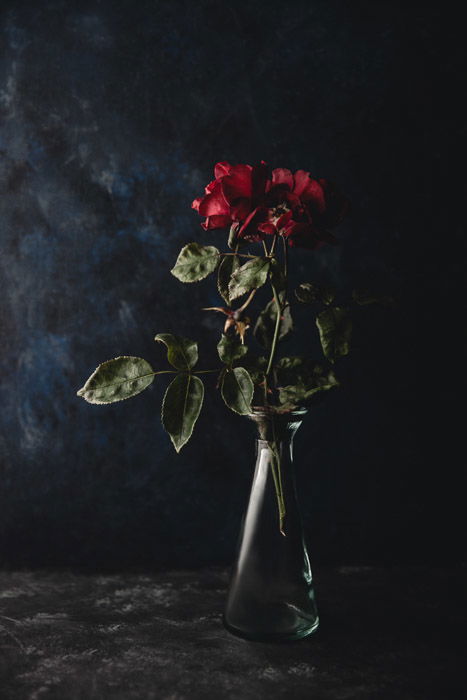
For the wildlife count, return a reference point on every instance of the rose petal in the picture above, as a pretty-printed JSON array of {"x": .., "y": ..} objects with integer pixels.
[
  {"x": 267, "y": 228},
  {"x": 277, "y": 194},
  {"x": 241, "y": 210},
  {"x": 216, "y": 221},
  {"x": 249, "y": 230},
  {"x": 214, "y": 203},
  {"x": 292, "y": 201},
  {"x": 301, "y": 180},
  {"x": 259, "y": 178},
  {"x": 283, "y": 220},
  {"x": 313, "y": 195},
  {"x": 196, "y": 202},
  {"x": 295, "y": 227},
  {"x": 211, "y": 186},
  {"x": 221, "y": 169},
  {"x": 237, "y": 184},
  {"x": 282, "y": 176}
]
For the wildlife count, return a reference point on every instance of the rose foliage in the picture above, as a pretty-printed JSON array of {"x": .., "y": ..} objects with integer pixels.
[{"x": 265, "y": 212}]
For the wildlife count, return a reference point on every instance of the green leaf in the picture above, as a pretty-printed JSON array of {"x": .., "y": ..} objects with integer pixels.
[
  {"x": 229, "y": 264},
  {"x": 237, "y": 390},
  {"x": 181, "y": 406},
  {"x": 251, "y": 275},
  {"x": 277, "y": 276},
  {"x": 195, "y": 262},
  {"x": 117, "y": 379},
  {"x": 256, "y": 367},
  {"x": 230, "y": 349},
  {"x": 300, "y": 379},
  {"x": 182, "y": 353},
  {"x": 335, "y": 330},
  {"x": 300, "y": 395},
  {"x": 294, "y": 370},
  {"x": 310, "y": 292},
  {"x": 265, "y": 324}
]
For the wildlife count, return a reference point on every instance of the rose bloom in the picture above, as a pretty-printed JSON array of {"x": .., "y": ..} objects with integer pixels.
[
  {"x": 233, "y": 195},
  {"x": 296, "y": 206}
]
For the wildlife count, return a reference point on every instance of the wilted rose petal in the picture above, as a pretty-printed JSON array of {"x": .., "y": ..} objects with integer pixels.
[{"x": 261, "y": 203}]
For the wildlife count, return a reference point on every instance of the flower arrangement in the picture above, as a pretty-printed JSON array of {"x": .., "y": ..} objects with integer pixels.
[{"x": 267, "y": 213}]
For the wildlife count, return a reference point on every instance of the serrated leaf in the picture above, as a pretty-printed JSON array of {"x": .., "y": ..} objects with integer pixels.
[
  {"x": 310, "y": 292},
  {"x": 117, "y": 379},
  {"x": 335, "y": 330},
  {"x": 195, "y": 262},
  {"x": 237, "y": 390},
  {"x": 181, "y": 407},
  {"x": 252, "y": 275},
  {"x": 182, "y": 353},
  {"x": 228, "y": 265},
  {"x": 266, "y": 322},
  {"x": 230, "y": 349}
]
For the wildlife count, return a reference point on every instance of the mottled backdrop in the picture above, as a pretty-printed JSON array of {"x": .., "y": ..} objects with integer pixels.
[{"x": 112, "y": 116}]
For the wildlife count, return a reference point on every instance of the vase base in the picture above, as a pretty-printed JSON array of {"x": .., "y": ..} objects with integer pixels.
[{"x": 273, "y": 637}]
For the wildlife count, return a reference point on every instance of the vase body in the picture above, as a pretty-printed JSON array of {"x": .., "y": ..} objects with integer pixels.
[{"x": 271, "y": 596}]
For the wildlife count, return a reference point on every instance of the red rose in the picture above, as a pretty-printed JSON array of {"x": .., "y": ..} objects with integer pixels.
[
  {"x": 233, "y": 196},
  {"x": 296, "y": 206},
  {"x": 303, "y": 209}
]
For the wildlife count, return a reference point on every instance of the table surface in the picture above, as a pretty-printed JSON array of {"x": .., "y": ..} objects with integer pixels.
[{"x": 385, "y": 633}]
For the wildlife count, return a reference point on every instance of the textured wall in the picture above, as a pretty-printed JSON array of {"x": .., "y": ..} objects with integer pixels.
[{"x": 112, "y": 115}]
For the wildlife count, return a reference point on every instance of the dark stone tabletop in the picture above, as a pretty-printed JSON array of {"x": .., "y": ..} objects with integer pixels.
[{"x": 385, "y": 633}]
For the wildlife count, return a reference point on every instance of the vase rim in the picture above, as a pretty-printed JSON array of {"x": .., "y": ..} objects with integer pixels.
[{"x": 269, "y": 411}]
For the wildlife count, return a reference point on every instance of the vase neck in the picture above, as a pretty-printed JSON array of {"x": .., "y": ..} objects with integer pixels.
[{"x": 275, "y": 427}]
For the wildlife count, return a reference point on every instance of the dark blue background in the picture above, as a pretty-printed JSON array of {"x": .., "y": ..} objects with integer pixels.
[{"x": 112, "y": 116}]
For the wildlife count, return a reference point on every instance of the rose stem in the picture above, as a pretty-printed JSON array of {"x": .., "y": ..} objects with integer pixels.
[
  {"x": 286, "y": 262},
  {"x": 271, "y": 252},
  {"x": 240, "y": 255},
  {"x": 276, "y": 330}
]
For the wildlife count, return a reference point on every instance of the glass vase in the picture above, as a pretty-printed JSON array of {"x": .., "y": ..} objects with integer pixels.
[{"x": 271, "y": 596}]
